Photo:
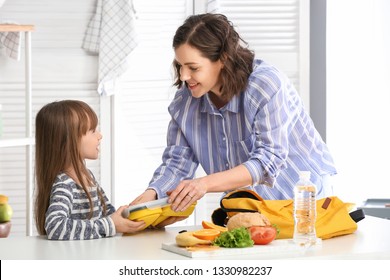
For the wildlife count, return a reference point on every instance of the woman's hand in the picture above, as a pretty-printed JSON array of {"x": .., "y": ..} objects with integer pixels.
[
  {"x": 124, "y": 225},
  {"x": 189, "y": 191},
  {"x": 186, "y": 193}
]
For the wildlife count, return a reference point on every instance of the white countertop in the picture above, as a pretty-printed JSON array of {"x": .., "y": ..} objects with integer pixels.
[{"x": 370, "y": 241}]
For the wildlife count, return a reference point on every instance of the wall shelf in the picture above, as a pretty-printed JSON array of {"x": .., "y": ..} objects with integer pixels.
[
  {"x": 16, "y": 142},
  {"x": 28, "y": 140}
]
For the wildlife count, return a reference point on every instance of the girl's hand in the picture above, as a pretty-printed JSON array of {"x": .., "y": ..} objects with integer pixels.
[
  {"x": 124, "y": 225},
  {"x": 186, "y": 193},
  {"x": 170, "y": 220}
]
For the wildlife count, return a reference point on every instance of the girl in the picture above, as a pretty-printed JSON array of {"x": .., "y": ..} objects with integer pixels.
[{"x": 70, "y": 204}]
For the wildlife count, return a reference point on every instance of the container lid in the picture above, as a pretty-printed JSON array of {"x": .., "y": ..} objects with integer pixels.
[{"x": 304, "y": 175}]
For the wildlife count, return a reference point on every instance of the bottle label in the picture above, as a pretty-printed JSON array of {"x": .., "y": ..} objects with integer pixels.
[
  {"x": 311, "y": 189},
  {"x": 305, "y": 210}
]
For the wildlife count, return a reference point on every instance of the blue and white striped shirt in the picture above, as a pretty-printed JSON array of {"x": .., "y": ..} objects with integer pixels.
[
  {"x": 68, "y": 211},
  {"x": 265, "y": 128}
]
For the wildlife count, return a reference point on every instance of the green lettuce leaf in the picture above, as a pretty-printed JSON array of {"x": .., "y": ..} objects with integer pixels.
[{"x": 235, "y": 238}]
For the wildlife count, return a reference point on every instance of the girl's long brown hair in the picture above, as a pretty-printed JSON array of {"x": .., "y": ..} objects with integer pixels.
[
  {"x": 215, "y": 37},
  {"x": 59, "y": 127}
]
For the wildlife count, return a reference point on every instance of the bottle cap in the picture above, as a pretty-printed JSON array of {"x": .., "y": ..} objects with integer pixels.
[{"x": 304, "y": 174}]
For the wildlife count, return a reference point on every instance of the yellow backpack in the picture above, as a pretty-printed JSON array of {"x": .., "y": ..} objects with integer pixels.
[{"x": 333, "y": 215}]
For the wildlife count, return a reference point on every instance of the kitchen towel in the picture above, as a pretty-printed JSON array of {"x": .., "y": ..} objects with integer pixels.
[
  {"x": 11, "y": 41},
  {"x": 111, "y": 34}
]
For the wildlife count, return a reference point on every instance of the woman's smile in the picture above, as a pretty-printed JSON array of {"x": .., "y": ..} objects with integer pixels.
[{"x": 192, "y": 85}]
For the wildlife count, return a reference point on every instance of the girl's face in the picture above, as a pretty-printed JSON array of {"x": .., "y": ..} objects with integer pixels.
[
  {"x": 89, "y": 147},
  {"x": 200, "y": 73}
]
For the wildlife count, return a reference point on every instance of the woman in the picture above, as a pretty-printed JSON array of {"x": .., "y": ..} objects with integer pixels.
[{"x": 237, "y": 116}]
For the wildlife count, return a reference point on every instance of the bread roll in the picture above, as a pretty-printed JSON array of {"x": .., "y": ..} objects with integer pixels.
[{"x": 247, "y": 220}]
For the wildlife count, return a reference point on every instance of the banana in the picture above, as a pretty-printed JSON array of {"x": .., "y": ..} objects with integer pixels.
[{"x": 186, "y": 239}]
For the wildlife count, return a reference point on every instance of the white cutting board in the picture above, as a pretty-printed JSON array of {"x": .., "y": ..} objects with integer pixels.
[{"x": 280, "y": 247}]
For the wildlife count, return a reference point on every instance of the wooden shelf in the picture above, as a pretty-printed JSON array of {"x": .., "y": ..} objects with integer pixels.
[
  {"x": 16, "y": 142},
  {"x": 16, "y": 27},
  {"x": 28, "y": 140}
]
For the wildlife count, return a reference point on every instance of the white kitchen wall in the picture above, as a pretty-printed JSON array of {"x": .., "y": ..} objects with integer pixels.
[{"x": 358, "y": 71}]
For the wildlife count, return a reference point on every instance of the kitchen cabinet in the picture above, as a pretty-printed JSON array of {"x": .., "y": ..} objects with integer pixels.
[{"x": 28, "y": 140}]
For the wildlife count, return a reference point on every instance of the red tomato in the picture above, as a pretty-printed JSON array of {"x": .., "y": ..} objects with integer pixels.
[{"x": 262, "y": 235}]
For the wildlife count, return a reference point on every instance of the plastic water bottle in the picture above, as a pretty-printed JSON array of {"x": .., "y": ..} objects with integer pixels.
[{"x": 305, "y": 211}]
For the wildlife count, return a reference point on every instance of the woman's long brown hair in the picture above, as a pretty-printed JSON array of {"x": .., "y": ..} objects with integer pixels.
[
  {"x": 215, "y": 37},
  {"x": 59, "y": 127}
]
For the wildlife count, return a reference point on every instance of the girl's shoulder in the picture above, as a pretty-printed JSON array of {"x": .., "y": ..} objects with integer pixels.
[
  {"x": 63, "y": 178},
  {"x": 64, "y": 184},
  {"x": 65, "y": 181}
]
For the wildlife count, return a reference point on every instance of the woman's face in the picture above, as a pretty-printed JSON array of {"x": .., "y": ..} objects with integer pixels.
[{"x": 200, "y": 74}]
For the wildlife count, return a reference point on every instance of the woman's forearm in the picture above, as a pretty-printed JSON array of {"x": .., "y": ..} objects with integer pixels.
[{"x": 231, "y": 179}]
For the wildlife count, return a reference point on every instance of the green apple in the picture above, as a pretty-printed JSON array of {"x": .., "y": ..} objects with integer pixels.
[{"x": 5, "y": 212}]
